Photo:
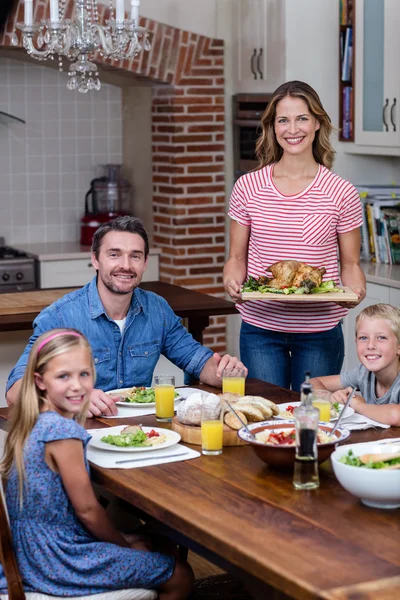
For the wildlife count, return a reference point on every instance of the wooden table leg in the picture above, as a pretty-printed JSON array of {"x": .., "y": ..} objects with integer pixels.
[{"x": 196, "y": 326}]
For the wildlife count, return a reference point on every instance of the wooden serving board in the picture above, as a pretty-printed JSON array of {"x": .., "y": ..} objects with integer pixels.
[
  {"x": 191, "y": 434},
  {"x": 347, "y": 296}
]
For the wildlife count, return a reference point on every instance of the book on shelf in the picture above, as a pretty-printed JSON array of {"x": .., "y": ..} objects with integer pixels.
[
  {"x": 346, "y": 12},
  {"x": 347, "y": 113},
  {"x": 347, "y": 60},
  {"x": 391, "y": 220},
  {"x": 380, "y": 231}
]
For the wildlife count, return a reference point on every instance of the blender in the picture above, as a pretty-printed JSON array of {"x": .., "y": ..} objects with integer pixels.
[{"x": 108, "y": 198}]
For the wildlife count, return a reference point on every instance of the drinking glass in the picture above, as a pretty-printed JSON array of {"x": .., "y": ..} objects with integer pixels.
[
  {"x": 212, "y": 428},
  {"x": 165, "y": 397},
  {"x": 321, "y": 400},
  {"x": 233, "y": 380}
]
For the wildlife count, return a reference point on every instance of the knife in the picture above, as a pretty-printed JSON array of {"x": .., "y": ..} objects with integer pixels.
[
  {"x": 119, "y": 462},
  {"x": 353, "y": 391}
]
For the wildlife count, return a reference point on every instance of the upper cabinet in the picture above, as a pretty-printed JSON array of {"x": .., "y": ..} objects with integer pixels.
[
  {"x": 259, "y": 45},
  {"x": 377, "y": 73}
]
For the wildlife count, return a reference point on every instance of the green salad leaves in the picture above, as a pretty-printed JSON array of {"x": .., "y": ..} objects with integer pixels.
[
  {"x": 127, "y": 439},
  {"x": 142, "y": 395},
  {"x": 354, "y": 461},
  {"x": 252, "y": 285}
]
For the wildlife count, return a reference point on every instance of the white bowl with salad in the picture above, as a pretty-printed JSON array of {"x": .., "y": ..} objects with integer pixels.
[{"x": 370, "y": 471}]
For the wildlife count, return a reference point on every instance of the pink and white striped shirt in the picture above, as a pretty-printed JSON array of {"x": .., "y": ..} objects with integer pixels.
[{"x": 302, "y": 227}]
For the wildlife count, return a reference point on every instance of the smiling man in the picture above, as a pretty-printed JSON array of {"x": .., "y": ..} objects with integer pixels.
[{"x": 127, "y": 327}]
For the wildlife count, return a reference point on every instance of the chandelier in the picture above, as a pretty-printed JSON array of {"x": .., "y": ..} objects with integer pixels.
[{"x": 78, "y": 39}]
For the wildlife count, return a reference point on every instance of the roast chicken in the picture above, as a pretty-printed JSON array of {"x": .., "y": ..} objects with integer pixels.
[{"x": 287, "y": 273}]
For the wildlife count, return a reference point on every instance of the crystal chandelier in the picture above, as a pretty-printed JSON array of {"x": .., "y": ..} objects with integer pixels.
[{"x": 78, "y": 39}]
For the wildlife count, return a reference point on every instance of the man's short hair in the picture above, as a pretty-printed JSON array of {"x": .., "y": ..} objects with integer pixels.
[
  {"x": 125, "y": 223},
  {"x": 382, "y": 311}
]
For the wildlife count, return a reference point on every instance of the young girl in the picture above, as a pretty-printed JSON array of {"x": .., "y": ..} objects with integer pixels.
[
  {"x": 378, "y": 375},
  {"x": 64, "y": 542}
]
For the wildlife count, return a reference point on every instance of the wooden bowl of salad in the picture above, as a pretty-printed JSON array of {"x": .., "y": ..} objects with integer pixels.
[{"x": 275, "y": 441}]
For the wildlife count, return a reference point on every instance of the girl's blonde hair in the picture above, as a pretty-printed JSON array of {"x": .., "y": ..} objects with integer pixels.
[
  {"x": 382, "y": 311},
  {"x": 31, "y": 399},
  {"x": 267, "y": 148}
]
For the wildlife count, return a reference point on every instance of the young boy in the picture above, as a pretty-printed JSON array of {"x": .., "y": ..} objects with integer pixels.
[{"x": 378, "y": 375}]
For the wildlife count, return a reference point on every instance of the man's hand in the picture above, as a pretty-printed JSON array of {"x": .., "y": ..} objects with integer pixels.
[
  {"x": 101, "y": 404},
  {"x": 228, "y": 362},
  {"x": 212, "y": 370}
]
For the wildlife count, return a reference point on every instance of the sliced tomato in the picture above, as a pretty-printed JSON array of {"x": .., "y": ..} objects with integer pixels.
[{"x": 152, "y": 433}]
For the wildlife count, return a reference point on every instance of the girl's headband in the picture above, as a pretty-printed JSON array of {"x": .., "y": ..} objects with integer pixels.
[{"x": 54, "y": 335}]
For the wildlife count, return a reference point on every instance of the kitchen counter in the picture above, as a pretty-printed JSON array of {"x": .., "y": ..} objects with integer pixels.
[
  {"x": 47, "y": 251},
  {"x": 381, "y": 274}
]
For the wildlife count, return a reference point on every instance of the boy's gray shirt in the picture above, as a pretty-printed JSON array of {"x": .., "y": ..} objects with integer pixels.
[{"x": 366, "y": 383}]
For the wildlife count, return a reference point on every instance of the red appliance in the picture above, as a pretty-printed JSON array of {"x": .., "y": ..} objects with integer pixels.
[{"x": 110, "y": 198}]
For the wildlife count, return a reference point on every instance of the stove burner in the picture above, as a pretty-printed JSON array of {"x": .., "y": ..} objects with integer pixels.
[{"x": 6, "y": 252}]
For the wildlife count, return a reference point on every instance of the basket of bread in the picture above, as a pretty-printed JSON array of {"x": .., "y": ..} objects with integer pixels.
[{"x": 251, "y": 409}]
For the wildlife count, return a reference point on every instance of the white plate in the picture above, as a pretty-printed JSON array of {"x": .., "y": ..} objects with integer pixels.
[
  {"x": 183, "y": 393},
  {"x": 282, "y": 407},
  {"x": 133, "y": 404},
  {"x": 172, "y": 439}
]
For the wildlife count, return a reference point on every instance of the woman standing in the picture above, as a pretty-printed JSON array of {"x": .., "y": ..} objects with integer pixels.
[{"x": 293, "y": 207}]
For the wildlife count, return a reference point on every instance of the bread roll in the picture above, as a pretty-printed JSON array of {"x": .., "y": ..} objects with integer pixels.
[
  {"x": 233, "y": 422},
  {"x": 252, "y": 412},
  {"x": 231, "y": 397},
  {"x": 267, "y": 403},
  {"x": 266, "y": 410}
]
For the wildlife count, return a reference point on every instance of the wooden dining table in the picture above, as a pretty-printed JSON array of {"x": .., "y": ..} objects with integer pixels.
[
  {"x": 19, "y": 309},
  {"x": 246, "y": 517}
]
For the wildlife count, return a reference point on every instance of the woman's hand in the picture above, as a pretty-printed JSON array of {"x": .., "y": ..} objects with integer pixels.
[
  {"x": 361, "y": 292},
  {"x": 233, "y": 288}
]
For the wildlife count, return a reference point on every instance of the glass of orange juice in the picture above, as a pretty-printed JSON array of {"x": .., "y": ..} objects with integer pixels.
[
  {"x": 165, "y": 397},
  {"x": 321, "y": 399},
  {"x": 212, "y": 428},
  {"x": 233, "y": 381}
]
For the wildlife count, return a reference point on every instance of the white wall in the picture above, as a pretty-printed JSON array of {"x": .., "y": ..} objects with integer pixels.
[
  {"x": 47, "y": 164},
  {"x": 198, "y": 16},
  {"x": 312, "y": 38}
]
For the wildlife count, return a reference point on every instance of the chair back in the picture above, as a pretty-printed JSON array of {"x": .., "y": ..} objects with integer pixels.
[{"x": 7, "y": 555}]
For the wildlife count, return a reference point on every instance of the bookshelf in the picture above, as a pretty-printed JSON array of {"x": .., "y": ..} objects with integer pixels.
[{"x": 346, "y": 70}]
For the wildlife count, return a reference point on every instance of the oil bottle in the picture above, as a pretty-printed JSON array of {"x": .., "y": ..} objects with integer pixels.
[{"x": 306, "y": 418}]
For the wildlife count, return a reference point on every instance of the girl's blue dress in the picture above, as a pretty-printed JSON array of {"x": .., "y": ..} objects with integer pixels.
[{"x": 55, "y": 553}]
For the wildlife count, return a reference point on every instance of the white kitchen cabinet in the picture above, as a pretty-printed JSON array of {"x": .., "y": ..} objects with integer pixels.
[
  {"x": 77, "y": 272},
  {"x": 394, "y": 297},
  {"x": 259, "y": 42},
  {"x": 377, "y": 74},
  {"x": 375, "y": 295}
]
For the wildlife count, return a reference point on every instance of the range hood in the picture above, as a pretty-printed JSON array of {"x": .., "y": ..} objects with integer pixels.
[{"x": 7, "y": 119}]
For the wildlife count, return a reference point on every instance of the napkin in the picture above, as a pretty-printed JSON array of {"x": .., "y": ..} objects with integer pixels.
[
  {"x": 140, "y": 410},
  {"x": 358, "y": 422},
  {"x": 108, "y": 459}
]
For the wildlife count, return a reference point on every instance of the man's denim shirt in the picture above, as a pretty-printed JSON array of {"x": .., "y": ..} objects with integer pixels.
[{"x": 121, "y": 360}]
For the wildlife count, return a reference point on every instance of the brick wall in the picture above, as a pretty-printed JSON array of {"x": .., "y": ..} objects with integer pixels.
[{"x": 188, "y": 152}]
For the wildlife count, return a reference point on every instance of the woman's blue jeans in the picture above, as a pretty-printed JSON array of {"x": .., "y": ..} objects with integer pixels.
[{"x": 282, "y": 358}]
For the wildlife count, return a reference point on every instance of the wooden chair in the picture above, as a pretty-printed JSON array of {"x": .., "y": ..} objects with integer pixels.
[{"x": 13, "y": 576}]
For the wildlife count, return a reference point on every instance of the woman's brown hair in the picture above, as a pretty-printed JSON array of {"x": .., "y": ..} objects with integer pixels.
[{"x": 267, "y": 148}]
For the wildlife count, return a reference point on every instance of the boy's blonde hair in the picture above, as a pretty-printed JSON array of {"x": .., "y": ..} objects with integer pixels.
[
  {"x": 30, "y": 399},
  {"x": 382, "y": 311}
]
